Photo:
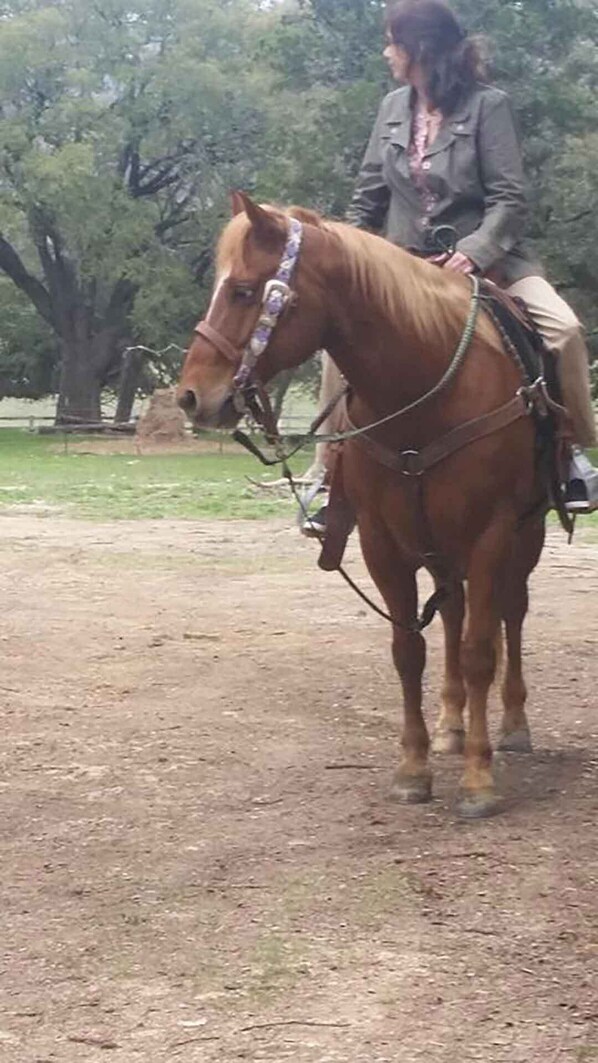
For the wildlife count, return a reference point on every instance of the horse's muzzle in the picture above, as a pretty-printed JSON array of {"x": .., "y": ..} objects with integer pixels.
[{"x": 224, "y": 416}]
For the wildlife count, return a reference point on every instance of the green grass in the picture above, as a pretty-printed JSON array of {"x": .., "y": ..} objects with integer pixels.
[
  {"x": 56, "y": 472},
  {"x": 49, "y": 471}
]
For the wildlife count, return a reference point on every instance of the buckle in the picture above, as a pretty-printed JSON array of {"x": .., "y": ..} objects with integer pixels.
[
  {"x": 534, "y": 397},
  {"x": 276, "y": 287},
  {"x": 523, "y": 393},
  {"x": 408, "y": 458}
]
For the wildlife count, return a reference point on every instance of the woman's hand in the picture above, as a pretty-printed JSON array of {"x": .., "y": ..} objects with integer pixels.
[{"x": 459, "y": 263}]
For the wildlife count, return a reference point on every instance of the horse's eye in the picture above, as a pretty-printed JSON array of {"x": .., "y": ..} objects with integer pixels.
[{"x": 243, "y": 294}]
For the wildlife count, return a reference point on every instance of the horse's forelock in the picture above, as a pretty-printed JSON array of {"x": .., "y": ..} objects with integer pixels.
[{"x": 231, "y": 243}]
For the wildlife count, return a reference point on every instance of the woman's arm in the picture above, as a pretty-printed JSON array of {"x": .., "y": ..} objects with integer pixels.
[
  {"x": 501, "y": 173},
  {"x": 369, "y": 204}
]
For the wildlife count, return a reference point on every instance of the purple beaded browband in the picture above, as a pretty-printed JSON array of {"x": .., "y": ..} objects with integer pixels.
[{"x": 277, "y": 293}]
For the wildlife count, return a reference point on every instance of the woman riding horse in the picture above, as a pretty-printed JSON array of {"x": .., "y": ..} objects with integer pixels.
[
  {"x": 444, "y": 151},
  {"x": 444, "y": 472}
]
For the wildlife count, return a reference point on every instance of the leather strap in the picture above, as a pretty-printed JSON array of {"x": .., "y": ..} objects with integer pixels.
[
  {"x": 218, "y": 341},
  {"x": 414, "y": 463},
  {"x": 340, "y": 521}
]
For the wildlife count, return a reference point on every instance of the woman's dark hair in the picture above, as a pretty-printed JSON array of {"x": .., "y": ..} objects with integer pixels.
[{"x": 451, "y": 61}]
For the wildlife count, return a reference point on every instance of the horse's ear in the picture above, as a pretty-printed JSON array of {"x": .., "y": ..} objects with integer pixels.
[
  {"x": 309, "y": 217},
  {"x": 236, "y": 203},
  {"x": 266, "y": 227}
]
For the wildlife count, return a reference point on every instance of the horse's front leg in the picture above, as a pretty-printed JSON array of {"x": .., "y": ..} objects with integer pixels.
[
  {"x": 515, "y": 734},
  {"x": 396, "y": 581},
  {"x": 449, "y": 736},
  {"x": 478, "y": 660}
]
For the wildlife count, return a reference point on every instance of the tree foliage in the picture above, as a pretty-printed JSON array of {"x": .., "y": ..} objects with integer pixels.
[{"x": 123, "y": 126}]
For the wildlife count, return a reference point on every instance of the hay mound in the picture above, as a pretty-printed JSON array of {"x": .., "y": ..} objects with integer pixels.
[{"x": 163, "y": 421}]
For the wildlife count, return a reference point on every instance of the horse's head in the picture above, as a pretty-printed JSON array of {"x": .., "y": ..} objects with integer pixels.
[{"x": 267, "y": 311}]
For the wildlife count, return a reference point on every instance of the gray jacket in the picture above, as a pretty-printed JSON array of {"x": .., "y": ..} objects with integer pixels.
[{"x": 473, "y": 170}]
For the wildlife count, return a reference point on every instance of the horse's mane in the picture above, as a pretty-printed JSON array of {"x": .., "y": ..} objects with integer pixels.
[
  {"x": 405, "y": 288},
  {"x": 431, "y": 302}
]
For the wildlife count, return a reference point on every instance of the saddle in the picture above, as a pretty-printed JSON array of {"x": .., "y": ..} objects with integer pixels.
[{"x": 525, "y": 346}]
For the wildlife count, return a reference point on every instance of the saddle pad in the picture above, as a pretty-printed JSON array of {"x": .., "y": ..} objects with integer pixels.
[{"x": 523, "y": 340}]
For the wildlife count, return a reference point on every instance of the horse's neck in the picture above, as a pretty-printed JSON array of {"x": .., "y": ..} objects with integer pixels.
[
  {"x": 389, "y": 355},
  {"x": 385, "y": 362}
]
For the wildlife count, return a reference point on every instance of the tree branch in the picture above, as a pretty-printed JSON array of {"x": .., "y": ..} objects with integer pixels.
[
  {"x": 162, "y": 179},
  {"x": 552, "y": 220},
  {"x": 154, "y": 176},
  {"x": 171, "y": 222},
  {"x": 121, "y": 301},
  {"x": 12, "y": 265}
]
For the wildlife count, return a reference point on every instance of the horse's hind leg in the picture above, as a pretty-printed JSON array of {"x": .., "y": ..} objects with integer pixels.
[
  {"x": 449, "y": 736},
  {"x": 398, "y": 586},
  {"x": 515, "y": 734}
]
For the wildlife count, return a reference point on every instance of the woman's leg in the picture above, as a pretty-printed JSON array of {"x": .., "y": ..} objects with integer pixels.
[
  {"x": 562, "y": 334},
  {"x": 323, "y": 464},
  {"x": 330, "y": 385}
]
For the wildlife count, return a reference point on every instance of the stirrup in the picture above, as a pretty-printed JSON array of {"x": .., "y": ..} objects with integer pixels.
[
  {"x": 581, "y": 490},
  {"x": 307, "y": 497},
  {"x": 314, "y": 526}
]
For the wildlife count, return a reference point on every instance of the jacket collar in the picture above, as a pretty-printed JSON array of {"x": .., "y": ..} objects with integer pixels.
[{"x": 400, "y": 117}]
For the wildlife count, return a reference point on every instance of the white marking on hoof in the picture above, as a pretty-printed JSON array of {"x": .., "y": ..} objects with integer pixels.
[
  {"x": 411, "y": 790},
  {"x": 479, "y": 805}
]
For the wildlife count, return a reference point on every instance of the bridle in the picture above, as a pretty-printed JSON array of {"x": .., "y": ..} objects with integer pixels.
[{"x": 277, "y": 295}]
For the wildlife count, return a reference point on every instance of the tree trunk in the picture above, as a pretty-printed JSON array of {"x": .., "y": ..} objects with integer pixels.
[
  {"x": 129, "y": 381},
  {"x": 91, "y": 344},
  {"x": 89, "y": 362},
  {"x": 80, "y": 387}
]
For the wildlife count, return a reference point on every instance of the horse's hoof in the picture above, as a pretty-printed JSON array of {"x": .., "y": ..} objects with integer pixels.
[
  {"x": 478, "y": 805},
  {"x": 411, "y": 789},
  {"x": 516, "y": 742},
  {"x": 448, "y": 741}
]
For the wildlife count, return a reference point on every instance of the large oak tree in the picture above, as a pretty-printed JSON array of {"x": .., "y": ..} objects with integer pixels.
[{"x": 122, "y": 126}]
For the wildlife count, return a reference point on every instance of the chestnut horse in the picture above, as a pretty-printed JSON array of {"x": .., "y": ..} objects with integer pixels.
[{"x": 392, "y": 322}]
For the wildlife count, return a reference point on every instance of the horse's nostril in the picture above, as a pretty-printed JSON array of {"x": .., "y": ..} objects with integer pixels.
[{"x": 187, "y": 401}]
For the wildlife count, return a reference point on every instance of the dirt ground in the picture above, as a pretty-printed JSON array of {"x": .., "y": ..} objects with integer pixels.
[{"x": 199, "y": 856}]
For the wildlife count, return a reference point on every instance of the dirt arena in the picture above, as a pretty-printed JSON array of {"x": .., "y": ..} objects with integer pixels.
[{"x": 199, "y": 860}]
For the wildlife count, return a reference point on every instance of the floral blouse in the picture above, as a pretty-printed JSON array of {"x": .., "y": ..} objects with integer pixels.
[{"x": 424, "y": 129}]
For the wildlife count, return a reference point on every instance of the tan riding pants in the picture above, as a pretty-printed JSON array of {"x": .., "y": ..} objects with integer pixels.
[{"x": 561, "y": 332}]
